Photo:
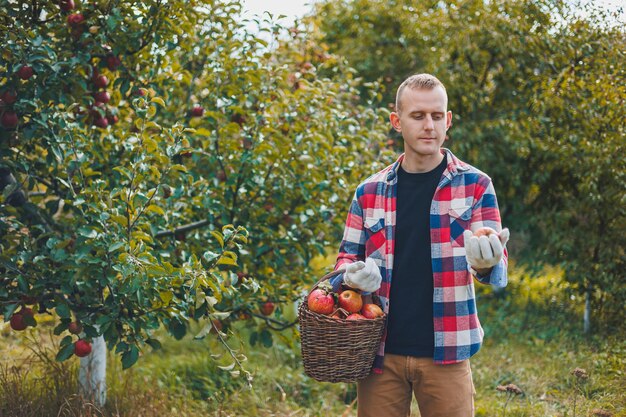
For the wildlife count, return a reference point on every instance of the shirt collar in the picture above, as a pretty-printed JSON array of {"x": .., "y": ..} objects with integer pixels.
[{"x": 454, "y": 166}]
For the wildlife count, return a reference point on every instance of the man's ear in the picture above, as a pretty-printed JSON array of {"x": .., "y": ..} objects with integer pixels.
[
  {"x": 394, "y": 118},
  {"x": 448, "y": 120}
]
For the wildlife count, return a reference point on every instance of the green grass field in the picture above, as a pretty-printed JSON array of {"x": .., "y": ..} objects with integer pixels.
[{"x": 533, "y": 340}]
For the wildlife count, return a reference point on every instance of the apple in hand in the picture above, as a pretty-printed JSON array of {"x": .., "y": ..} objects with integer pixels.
[
  {"x": 484, "y": 231},
  {"x": 350, "y": 301}
]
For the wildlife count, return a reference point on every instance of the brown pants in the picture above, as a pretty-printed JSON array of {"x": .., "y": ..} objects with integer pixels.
[{"x": 440, "y": 390}]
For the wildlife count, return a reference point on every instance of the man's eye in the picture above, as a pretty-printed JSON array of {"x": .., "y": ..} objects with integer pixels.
[{"x": 437, "y": 117}]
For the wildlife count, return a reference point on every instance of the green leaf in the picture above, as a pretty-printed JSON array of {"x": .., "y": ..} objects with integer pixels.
[
  {"x": 63, "y": 311},
  {"x": 158, "y": 100},
  {"x": 218, "y": 236},
  {"x": 266, "y": 338},
  {"x": 130, "y": 357},
  {"x": 65, "y": 352}
]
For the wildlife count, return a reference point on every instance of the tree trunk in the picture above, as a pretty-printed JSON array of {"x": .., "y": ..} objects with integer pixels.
[
  {"x": 587, "y": 314},
  {"x": 93, "y": 371}
]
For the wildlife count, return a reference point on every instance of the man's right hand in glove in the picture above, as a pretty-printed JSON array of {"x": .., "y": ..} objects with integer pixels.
[{"x": 364, "y": 276}]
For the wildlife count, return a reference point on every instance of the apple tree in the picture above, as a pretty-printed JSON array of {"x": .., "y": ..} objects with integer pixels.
[{"x": 160, "y": 163}]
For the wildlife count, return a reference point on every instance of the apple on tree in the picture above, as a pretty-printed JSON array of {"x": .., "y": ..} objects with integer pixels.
[
  {"x": 267, "y": 308},
  {"x": 9, "y": 120},
  {"x": 25, "y": 72},
  {"x": 82, "y": 348}
]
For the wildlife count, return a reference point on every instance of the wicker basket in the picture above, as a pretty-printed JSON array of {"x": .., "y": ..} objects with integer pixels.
[{"x": 338, "y": 350}]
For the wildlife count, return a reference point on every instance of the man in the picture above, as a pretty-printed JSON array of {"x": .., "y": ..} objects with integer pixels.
[{"x": 409, "y": 237}]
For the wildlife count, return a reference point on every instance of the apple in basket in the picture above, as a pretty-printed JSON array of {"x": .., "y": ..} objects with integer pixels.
[
  {"x": 350, "y": 301},
  {"x": 321, "y": 300},
  {"x": 371, "y": 311}
]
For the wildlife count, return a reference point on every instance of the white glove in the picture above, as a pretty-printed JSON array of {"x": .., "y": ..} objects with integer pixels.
[
  {"x": 364, "y": 276},
  {"x": 485, "y": 252}
]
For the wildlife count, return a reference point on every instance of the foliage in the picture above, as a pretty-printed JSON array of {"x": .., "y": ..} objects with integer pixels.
[
  {"x": 120, "y": 194},
  {"x": 536, "y": 90},
  {"x": 538, "y": 358}
]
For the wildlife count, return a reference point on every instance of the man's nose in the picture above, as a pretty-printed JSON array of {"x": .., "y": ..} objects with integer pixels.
[{"x": 430, "y": 125}]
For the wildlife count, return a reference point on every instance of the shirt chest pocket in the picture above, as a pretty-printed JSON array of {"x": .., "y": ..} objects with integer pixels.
[
  {"x": 375, "y": 237},
  {"x": 460, "y": 218}
]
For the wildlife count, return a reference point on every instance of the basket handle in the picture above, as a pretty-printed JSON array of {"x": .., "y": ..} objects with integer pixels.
[{"x": 326, "y": 277}]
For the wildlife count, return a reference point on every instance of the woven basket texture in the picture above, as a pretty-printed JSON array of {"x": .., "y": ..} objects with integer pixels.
[{"x": 337, "y": 350}]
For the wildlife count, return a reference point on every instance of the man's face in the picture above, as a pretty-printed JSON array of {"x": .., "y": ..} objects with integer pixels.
[{"x": 422, "y": 120}]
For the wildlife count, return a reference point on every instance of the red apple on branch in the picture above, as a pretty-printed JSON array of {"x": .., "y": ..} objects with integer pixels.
[
  {"x": 75, "y": 327},
  {"x": 25, "y": 72},
  {"x": 197, "y": 111},
  {"x": 67, "y": 5},
  {"x": 267, "y": 308},
  {"x": 75, "y": 19},
  {"x": 102, "y": 97},
  {"x": 9, "y": 97},
  {"x": 9, "y": 120},
  {"x": 100, "y": 81},
  {"x": 112, "y": 62},
  {"x": 82, "y": 348}
]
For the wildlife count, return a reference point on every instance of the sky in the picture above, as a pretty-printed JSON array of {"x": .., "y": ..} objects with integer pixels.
[
  {"x": 290, "y": 8},
  {"x": 297, "y": 8}
]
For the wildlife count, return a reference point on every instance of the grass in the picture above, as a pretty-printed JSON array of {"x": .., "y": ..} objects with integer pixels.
[{"x": 532, "y": 341}]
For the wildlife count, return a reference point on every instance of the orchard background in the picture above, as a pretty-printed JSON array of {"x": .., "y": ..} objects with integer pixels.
[{"x": 173, "y": 180}]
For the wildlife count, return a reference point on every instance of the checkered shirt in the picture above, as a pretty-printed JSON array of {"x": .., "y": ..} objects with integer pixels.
[{"x": 464, "y": 199}]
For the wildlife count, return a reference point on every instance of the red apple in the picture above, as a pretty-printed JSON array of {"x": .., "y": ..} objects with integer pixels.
[
  {"x": 67, "y": 5},
  {"x": 350, "y": 301},
  {"x": 102, "y": 97},
  {"x": 75, "y": 19},
  {"x": 113, "y": 62},
  {"x": 321, "y": 301},
  {"x": 25, "y": 72},
  {"x": 75, "y": 327},
  {"x": 101, "y": 122},
  {"x": 112, "y": 119},
  {"x": 100, "y": 81},
  {"x": 9, "y": 97},
  {"x": 9, "y": 119},
  {"x": 140, "y": 92},
  {"x": 197, "y": 111},
  {"x": 484, "y": 231},
  {"x": 371, "y": 311},
  {"x": 167, "y": 191},
  {"x": 17, "y": 322},
  {"x": 267, "y": 308},
  {"x": 355, "y": 316},
  {"x": 82, "y": 348}
]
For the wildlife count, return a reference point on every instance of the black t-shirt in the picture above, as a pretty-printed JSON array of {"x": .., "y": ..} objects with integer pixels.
[{"x": 410, "y": 329}]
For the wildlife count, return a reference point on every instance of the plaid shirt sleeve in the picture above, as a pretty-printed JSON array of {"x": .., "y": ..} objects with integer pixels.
[
  {"x": 485, "y": 213},
  {"x": 352, "y": 248}
]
